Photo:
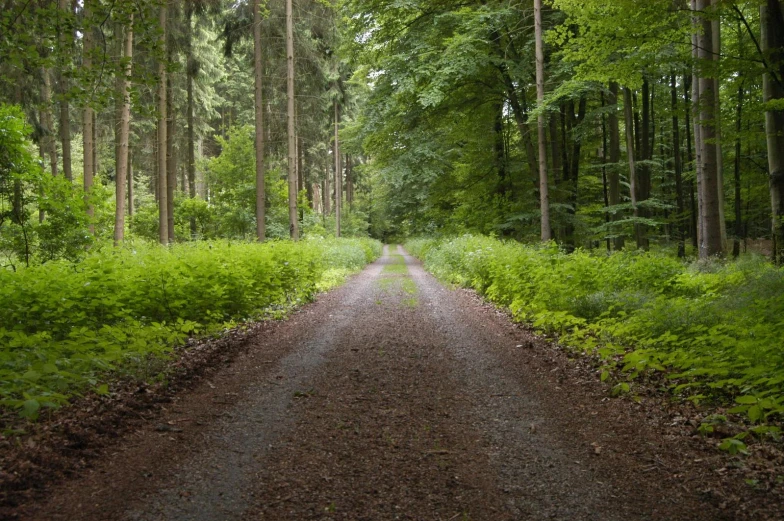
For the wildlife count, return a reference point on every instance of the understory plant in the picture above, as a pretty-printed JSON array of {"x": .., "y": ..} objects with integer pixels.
[
  {"x": 713, "y": 328},
  {"x": 66, "y": 327}
]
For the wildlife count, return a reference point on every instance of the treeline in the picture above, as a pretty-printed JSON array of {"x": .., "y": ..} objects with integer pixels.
[
  {"x": 117, "y": 117},
  {"x": 659, "y": 122}
]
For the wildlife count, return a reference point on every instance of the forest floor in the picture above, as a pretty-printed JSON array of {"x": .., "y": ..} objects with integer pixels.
[{"x": 391, "y": 397}]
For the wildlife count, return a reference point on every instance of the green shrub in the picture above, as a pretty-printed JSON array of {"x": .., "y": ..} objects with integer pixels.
[
  {"x": 63, "y": 325},
  {"x": 714, "y": 327}
]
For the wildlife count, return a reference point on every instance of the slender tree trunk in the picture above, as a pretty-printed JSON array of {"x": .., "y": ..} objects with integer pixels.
[
  {"x": 258, "y": 68},
  {"x": 190, "y": 73},
  {"x": 738, "y": 201},
  {"x": 772, "y": 23},
  {"x": 338, "y": 173},
  {"x": 163, "y": 205},
  {"x": 678, "y": 168},
  {"x": 171, "y": 163},
  {"x": 693, "y": 217},
  {"x": 350, "y": 181},
  {"x": 646, "y": 153},
  {"x": 698, "y": 151},
  {"x": 125, "y": 124},
  {"x": 131, "y": 207},
  {"x": 87, "y": 112},
  {"x": 119, "y": 89},
  {"x": 544, "y": 197},
  {"x": 716, "y": 27},
  {"x": 293, "y": 221},
  {"x": 614, "y": 178},
  {"x": 62, "y": 86},
  {"x": 605, "y": 190},
  {"x": 629, "y": 124},
  {"x": 711, "y": 243},
  {"x": 49, "y": 144}
]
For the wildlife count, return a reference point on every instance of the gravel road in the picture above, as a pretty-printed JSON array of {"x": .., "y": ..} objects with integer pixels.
[{"x": 393, "y": 397}]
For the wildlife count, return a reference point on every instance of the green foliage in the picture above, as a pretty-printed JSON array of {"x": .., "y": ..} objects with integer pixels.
[
  {"x": 26, "y": 187},
  {"x": 713, "y": 327},
  {"x": 65, "y": 325}
]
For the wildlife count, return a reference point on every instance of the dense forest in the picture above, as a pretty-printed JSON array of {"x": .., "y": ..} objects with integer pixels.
[{"x": 629, "y": 124}]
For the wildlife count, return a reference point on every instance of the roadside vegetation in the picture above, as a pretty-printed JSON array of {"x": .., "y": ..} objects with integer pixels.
[
  {"x": 71, "y": 327},
  {"x": 712, "y": 328}
]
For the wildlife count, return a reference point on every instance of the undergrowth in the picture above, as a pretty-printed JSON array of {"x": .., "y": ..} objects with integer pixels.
[
  {"x": 67, "y": 327},
  {"x": 714, "y": 329}
]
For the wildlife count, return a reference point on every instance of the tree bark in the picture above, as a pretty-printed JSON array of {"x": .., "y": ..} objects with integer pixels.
[
  {"x": 258, "y": 68},
  {"x": 49, "y": 145},
  {"x": 716, "y": 27},
  {"x": 737, "y": 184},
  {"x": 614, "y": 178},
  {"x": 62, "y": 86},
  {"x": 171, "y": 158},
  {"x": 711, "y": 243},
  {"x": 678, "y": 168},
  {"x": 125, "y": 124},
  {"x": 292, "y": 178},
  {"x": 772, "y": 23},
  {"x": 629, "y": 124},
  {"x": 338, "y": 172},
  {"x": 131, "y": 207},
  {"x": 87, "y": 112},
  {"x": 163, "y": 205},
  {"x": 544, "y": 198}
]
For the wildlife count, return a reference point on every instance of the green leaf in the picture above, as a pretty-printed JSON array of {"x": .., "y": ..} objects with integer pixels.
[
  {"x": 746, "y": 399},
  {"x": 30, "y": 409},
  {"x": 102, "y": 389}
]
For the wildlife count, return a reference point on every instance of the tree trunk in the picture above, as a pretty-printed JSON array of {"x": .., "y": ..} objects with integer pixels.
[
  {"x": 190, "y": 73},
  {"x": 338, "y": 173},
  {"x": 614, "y": 178},
  {"x": 544, "y": 198},
  {"x": 772, "y": 23},
  {"x": 171, "y": 163},
  {"x": 87, "y": 112},
  {"x": 646, "y": 153},
  {"x": 678, "y": 168},
  {"x": 125, "y": 124},
  {"x": 131, "y": 207},
  {"x": 629, "y": 124},
  {"x": 350, "y": 181},
  {"x": 604, "y": 168},
  {"x": 738, "y": 202},
  {"x": 49, "y": 145},
  {"x": 716, "y": 27},
  {"x": 293, "y": 222},
  {"x": 163, "y": 205},
  {"x": 711, "y": 244},
  {"x": 694, "y": 211},
  {"x": 62, "y": 85},
  {"x": 258, "y": 69}
]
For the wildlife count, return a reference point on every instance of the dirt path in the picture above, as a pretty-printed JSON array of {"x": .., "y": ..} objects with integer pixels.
[{"x": 395, "y": 398}]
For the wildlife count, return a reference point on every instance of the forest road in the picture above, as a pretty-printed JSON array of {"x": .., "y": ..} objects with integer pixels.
[{"x": 391, "y": 398}]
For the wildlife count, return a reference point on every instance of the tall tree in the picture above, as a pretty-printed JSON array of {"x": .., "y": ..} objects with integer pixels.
[
  {"x": 338, "y": 172},
  {"x": 544, "y": 197},
  {"x": 163, "y": 206},
  {"x": 290, "y": 114},
  {"x": 711, "y": 243},
  {"x": 125, "y": 123},
  {"x": 87, "y": 111},
  {"x": 258, "y": 69},
  {"x": 772, "y": 23},
  {"x": 64, "y": 41}
]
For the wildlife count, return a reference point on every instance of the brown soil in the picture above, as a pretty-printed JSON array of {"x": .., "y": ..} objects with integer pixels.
[{"x": 389, "y": 398}]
